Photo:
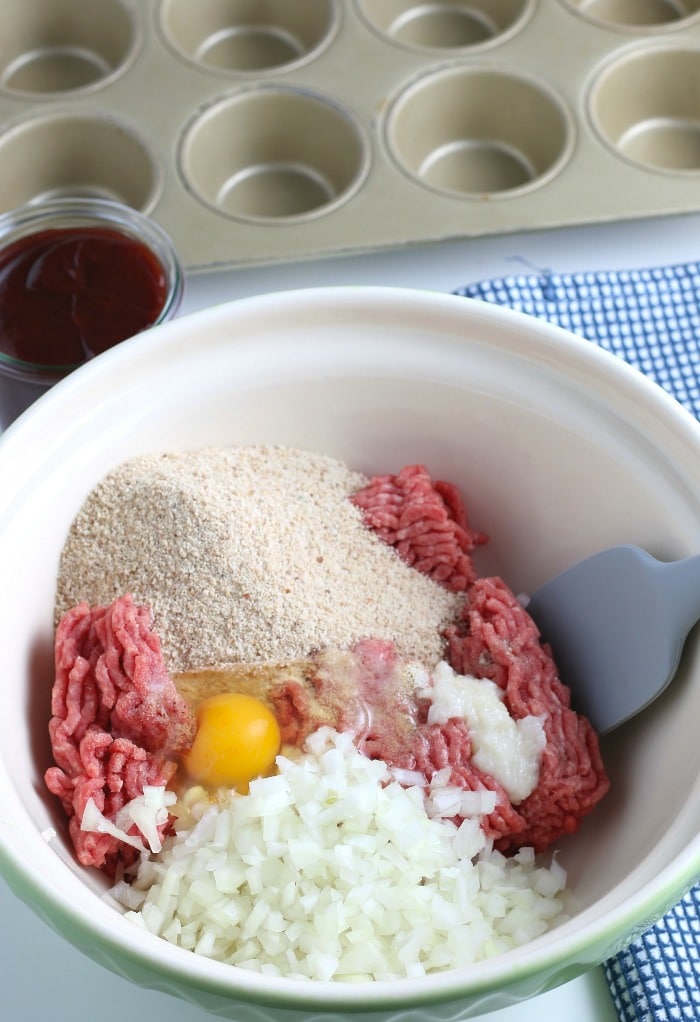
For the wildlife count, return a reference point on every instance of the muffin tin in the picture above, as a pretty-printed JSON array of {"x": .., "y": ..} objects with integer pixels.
[{"x": 262, "y": 132}]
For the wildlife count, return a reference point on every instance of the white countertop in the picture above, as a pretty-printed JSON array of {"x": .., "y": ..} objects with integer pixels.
[{"x": 35, "y": 963}]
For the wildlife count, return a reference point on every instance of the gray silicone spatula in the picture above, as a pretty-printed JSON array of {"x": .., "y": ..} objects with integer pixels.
[{"x": 617, "y": 623}]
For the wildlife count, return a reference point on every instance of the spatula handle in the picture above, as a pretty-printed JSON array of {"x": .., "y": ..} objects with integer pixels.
[{"x": 682, "y": 589}]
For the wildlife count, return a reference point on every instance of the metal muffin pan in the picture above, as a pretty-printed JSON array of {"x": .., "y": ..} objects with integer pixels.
[{"x": 265, "y": 132}]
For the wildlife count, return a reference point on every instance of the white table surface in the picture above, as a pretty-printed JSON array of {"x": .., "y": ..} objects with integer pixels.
[{"x": 41, "y": 976}]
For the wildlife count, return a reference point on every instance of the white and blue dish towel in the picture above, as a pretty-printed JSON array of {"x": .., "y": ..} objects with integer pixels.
[{"x": 650, "y": 318}]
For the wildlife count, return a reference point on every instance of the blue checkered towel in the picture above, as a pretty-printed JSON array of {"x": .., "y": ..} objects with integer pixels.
[{"x": 650, "y": 318}]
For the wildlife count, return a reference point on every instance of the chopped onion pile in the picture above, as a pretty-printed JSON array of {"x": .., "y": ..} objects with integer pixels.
[
  {"x": 147, "y": 813},
  {"x": 334, "y": 869}
]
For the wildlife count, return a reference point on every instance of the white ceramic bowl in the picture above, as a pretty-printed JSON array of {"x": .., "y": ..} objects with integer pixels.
[{"x": 560, "y": 450}]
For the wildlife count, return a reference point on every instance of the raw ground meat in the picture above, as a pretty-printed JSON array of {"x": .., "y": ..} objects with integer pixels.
[
  {"x": 494, "y": 638},
  {"x": 497, "y": 639},
  {"x": 424, "y": 521},
  {"x": 405, "y": 740},
  {"x": 117, "y": 721}
]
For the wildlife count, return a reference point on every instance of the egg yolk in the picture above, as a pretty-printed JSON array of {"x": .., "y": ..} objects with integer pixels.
[{"x": 237, "y": 739}]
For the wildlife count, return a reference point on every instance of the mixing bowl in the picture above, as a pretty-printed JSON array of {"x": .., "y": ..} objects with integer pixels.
[{"x": 559, "y": 448}]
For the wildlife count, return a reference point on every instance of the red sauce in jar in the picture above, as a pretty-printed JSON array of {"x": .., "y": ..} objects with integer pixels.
[{"x": 67, "y": 294}]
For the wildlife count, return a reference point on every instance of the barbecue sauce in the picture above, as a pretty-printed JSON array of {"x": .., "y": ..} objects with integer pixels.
[{"x": 68, "y": 294}]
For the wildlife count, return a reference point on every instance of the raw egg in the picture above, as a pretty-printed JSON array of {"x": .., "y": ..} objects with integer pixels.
[{"x": 237, "y": 739}]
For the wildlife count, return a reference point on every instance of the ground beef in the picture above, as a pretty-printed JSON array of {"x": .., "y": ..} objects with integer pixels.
[
  {"x": 117, "y": 720},
  {"x": 493, "y": 638},
  {"x": 291, "y": 704},
  {"x": 497, "y": 639},
  {"x": 384, "y": 703},
  {"x": 400, "y": 735},
  {"x": 424, "y": 521},
  {"x": 436, "y": 746}
]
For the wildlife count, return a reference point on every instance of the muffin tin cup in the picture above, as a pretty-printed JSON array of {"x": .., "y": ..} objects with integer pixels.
[
  {"x": 644, "y": 105},
  {"x": 637, "y": 15},
  {"x": 273, "y": 154},
  {"x": 245, "y": 37},
  {"x": 62, "y": 48},
  {"x": 450, "y": 25},
  {"x": 260, "y": 133},
  {"x": 64, "y": 153},
  {"x": 479, "y": 130}
]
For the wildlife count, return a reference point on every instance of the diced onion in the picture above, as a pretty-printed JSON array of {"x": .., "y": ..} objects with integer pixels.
[
  {"x": 147, "y": 812},
  {"x": 333, "y": 870}
]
